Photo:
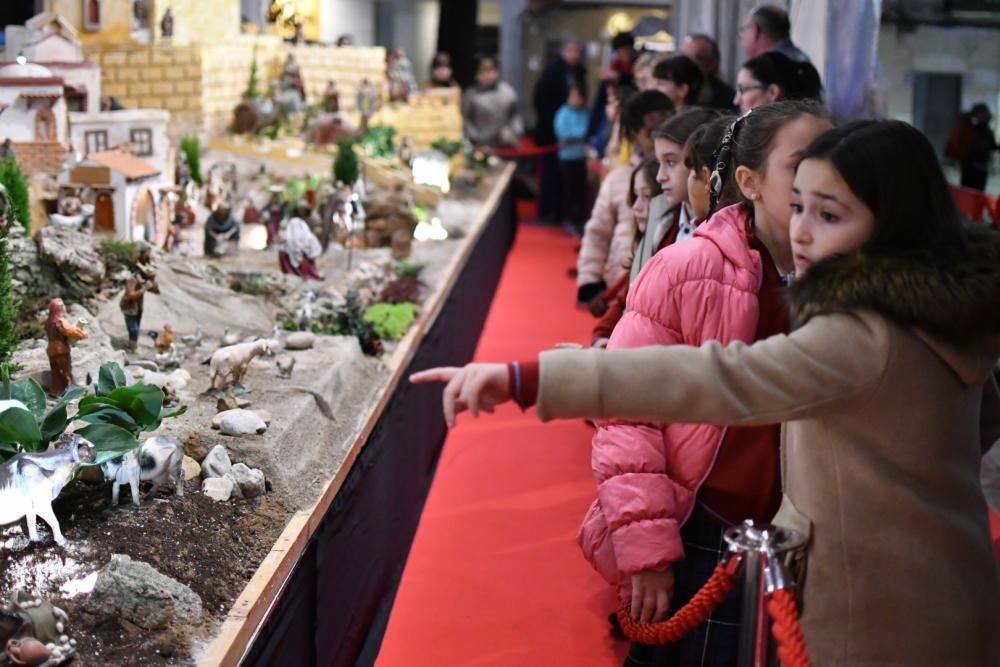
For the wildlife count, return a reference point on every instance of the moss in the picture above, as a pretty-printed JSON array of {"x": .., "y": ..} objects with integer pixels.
[
  {"x": 118, "y": 254},
  {"x": 392, "y": 320},
  {"x": 255, "y": 288}
]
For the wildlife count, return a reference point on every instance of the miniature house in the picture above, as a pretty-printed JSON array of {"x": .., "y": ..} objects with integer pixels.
[
  {"x": 33, "y": 116},
  {"x": 125, "y": 192},
  {"x": 144, "y": 129},
  {"x": 51, "y": 41}
]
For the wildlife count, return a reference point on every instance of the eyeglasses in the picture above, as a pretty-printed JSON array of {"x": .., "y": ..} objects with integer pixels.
[{"x": 743, "y": 90}]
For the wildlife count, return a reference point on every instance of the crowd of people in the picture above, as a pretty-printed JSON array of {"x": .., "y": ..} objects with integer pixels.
[{"x": 793, "y": 326}]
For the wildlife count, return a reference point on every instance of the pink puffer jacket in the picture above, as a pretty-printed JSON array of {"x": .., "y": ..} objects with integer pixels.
[
  {"x": 648, "y": 474},
  {"x": 606, "y": 246}
]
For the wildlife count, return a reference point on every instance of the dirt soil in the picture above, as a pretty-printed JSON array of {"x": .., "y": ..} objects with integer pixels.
[{"x": 212, "y": 547}]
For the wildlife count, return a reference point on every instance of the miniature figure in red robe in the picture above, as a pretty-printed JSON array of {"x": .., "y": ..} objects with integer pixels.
[{"x": 61, "y": 334}]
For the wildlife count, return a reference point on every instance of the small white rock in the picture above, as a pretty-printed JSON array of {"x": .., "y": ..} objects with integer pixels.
[
  {"x": 60, "y": 627},
  {"x": 218, "y": 488},
  {"x": 192, "y": 469},
  {"x": 217, "y": 463},
  {"x": 241, "y": 422}
]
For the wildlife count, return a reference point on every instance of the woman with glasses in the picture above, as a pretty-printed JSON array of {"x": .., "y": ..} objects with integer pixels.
[{"x": 773, "y": 76}]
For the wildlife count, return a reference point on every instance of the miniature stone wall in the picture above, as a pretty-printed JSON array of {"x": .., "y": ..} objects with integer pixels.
[
  {"x": 426, "y": 118},
  {"x": 201, "y": 84}
]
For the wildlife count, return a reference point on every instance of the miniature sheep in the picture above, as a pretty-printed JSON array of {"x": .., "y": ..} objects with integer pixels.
[
  {"x": 232, "y": 362},
  {"x": 30, "y": 482},
  {"x": 156, "y": 460}
]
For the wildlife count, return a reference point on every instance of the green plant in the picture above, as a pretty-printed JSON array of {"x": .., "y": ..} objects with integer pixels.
[
  {"x": 254, "y": 287},
  {"x": 118, "y": 254},
  {"x": 115, "y": 407},
  {"x": 448, "y": 147},
  {"x": 349, "y": 320},
  {"x": 12, "y": 178},
  {"x": 191, "y": 148},
  {"x": 252, "y": 91},
  {"x": 405, "y": 269},
  {"x": 378, "y": 142},
  {"x": 345, "y": 167},
  {"x": 391, "y": 320},
  {"x": 32, "y": 428}
]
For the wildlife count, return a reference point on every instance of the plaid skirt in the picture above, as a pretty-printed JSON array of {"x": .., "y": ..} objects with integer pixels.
[{"x": 714, "y": 643}]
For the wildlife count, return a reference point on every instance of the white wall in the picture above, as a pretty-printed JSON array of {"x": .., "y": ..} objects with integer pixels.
[
  {"x": 17, "y": 121},
  {"x": 356, "y": 17},
  {"x": 89, "y": 77},
  {"x": 972, "y": 52}
]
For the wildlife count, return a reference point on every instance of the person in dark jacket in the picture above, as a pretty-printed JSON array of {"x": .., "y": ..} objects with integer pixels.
[
  {"x": 703, "y": 50},
  {"x": 971, "y": 143},
  {"x": 550, "y": 93}
]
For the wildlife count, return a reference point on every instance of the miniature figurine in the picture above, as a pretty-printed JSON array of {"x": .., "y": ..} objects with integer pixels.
[
  {"x": 367, "y": 102},
  {"x": 274, "y": 213},
  {"x": 164, "y": 340},
  {"x": 285, "y": 366},
  {"x": 27, "y": 651},
  {"x": 399, "y": 71},
  {"x": 167, "y": 24},
  {"x": 331, "y": 97},
  {"x": 61, "y": 334},
  {"x": 7, "y": 150},
  {"x": 304, "y": 315},
  {"x": 30, "y": 482},
  {"x": 156, "y": 460},
  {"x": 142, "y": 281},
  {"x": 28, "y": 622},
  {"x": 221, "y": 229},
  {"x": 230, "y": 364},
  {"x": 292, "y": 87},
  {"x": 405, "y": 153},
  {"x": 299, "y": 246},
  {"x": 193, "y": 340}
]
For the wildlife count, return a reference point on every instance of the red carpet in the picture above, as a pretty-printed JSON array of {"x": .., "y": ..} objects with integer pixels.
[{"x": 495, "y": 577}]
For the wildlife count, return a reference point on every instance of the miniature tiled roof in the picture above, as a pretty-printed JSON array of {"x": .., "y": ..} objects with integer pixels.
[
  {"x": 51, "y": 95},
  {"x": 128, "y": 165}
]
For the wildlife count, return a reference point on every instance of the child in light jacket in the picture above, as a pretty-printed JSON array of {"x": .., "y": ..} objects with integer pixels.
[{"x": 570, "y": 126}]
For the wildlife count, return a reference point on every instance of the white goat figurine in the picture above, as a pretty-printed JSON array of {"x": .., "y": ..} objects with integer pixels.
[
  {"x": 304, "y": 315},
  {"x": 231, "y": 363},
  {"x": 156, "y": 460},
  {"x": 30, "y": 482}
]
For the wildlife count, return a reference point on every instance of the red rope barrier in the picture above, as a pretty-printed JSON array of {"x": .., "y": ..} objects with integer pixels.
[
  {"x": 688, "y": 617},
  {"x": 786, "y": 629}
]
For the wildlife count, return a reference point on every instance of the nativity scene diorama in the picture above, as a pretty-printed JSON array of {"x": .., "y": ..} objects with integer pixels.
[{"x": 194, "y": 309}]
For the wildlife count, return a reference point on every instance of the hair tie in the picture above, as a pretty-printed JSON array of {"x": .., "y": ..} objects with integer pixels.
[{"x": 722, "y": 157}]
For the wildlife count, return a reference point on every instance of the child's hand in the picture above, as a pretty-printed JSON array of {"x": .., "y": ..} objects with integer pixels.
[
  {"x": 597, "y": 306},
  {"x": 651, "y": 593},
  {"x": 474, "y": 387}
]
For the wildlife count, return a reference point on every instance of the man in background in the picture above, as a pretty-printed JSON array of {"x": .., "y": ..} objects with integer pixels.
[
  {"x": 703, "y": 50},
  {"x": 767, "y": 28}
]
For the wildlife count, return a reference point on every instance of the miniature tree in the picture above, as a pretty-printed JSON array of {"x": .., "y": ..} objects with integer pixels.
[
  {"x": 9, "y": 303},
  {"x": 14, "y": 180},
  {"x": 192, "y": 155},
  {"x": 345, "y": 167},
  {"x": 252, "y": 92}
]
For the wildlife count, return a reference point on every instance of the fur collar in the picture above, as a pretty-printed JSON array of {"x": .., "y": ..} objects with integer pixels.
[{"x": 953, "y": 294}]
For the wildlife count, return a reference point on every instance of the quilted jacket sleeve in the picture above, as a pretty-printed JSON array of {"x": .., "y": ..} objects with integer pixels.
[
  {"x": 646, "y": 480},
  {"x": 598, "y": 232}
]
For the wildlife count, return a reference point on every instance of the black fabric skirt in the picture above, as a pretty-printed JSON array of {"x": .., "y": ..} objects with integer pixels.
[{"x": 714, "y": 643}]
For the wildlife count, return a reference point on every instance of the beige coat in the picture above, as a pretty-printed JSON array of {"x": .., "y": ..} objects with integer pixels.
[{"x": 881, "y": 454}]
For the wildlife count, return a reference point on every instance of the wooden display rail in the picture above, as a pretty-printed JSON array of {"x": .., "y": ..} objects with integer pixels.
[{"x": 251, "y": 608}]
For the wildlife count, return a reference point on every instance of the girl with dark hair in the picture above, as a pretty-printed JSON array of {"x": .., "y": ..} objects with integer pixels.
[
  {"x": 606, "y": 247},
  {"x": 774, "y": 76},
  {"x": 699, "y": 151},
  {"x": 886, "y": 390},
  {"x": 442, "y": 74},
  {"x": 680, "y": 79}
]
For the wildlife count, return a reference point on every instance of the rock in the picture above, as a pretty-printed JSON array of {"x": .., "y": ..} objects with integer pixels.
[
  {"x": 72, "y": 252},
  {"x": 156, "y": 379},
  {"x": 178, "y": 380},
  {"x": 192, "y": 469},
  {"x": 264, "y": 415},
  {"x": 91, "y": 475},
  {"x": 241, "y": 422},
  {"x": 300, "y": 340},
  {"x": 237, "y": 493},
  {"x": 250, "y": 481},
  {"x": 217, "y": 463},
  {"x": 135, "y": 591},
  {"x": 196, "y": 446},
  {"x": 218, "y": 488}
]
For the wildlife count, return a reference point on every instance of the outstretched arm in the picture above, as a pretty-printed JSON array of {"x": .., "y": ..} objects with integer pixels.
[{"x": 818, "y": 369}]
